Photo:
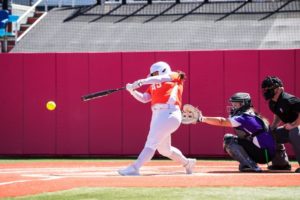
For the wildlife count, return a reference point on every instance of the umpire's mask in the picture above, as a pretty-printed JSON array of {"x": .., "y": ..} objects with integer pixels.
[{"x": 269, "y": 84}]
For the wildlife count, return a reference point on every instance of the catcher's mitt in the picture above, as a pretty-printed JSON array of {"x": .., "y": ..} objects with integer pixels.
[{"x": 190, "y": 114}]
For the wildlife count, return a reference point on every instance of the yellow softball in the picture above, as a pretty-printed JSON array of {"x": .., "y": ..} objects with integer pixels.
[{"x": 51, "y": 105}]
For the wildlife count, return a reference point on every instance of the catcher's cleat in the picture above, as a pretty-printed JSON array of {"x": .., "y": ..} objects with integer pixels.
[
  {"x": 245, "y": 168},
  {"x": 189, "y": 167},
  {"x": 129, "y": 171},
  {"x": 279, "y": 167},
  {"x": 297, "y": 170}
]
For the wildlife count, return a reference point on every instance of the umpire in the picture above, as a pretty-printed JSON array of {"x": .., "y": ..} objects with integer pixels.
[{"x": 286, "y": 109}]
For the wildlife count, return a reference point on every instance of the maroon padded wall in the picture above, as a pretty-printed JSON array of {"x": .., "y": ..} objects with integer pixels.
[
  {"x": 101, "y": 77},
  {"x": 297, "y": 74},
  {"x": 72, "y": 113},
  {"x": 39, "y": 86},
  {"x": 12, "y": 104},
  {"x": 118, "y": 124},
  {"x": 206, "y": 76}
]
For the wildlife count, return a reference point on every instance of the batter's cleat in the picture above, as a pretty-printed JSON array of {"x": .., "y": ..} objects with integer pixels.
[
  {"x": 280, "y": 167},
  {"x": 189, "y": 167},
  {"x": 245, "y": 168},
  {"x": 297, "y": 170},
  {"x": 129, "y": 171}
]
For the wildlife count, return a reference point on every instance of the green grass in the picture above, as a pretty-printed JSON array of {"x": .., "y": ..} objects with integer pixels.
[{"x": 205, "y": 193}]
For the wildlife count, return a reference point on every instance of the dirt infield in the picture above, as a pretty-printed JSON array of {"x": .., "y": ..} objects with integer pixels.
[{"x": 39, "y": 177}]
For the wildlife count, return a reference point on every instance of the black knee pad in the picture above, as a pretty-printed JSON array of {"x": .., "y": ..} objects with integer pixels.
[{"x": 229, "y": 139}]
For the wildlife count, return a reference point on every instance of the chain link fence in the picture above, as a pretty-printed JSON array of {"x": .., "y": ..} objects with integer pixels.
[{"x": 92, "y": 2}]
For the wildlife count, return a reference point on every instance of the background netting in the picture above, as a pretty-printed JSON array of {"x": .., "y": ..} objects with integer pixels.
[{"x": 138, "y": 26}]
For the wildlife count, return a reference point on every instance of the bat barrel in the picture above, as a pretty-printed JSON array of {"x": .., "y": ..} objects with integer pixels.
[{"x": 100, "y": 94}]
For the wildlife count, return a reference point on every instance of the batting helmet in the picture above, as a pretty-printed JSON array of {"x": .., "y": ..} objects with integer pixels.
[{"x": 161, "y": 67}]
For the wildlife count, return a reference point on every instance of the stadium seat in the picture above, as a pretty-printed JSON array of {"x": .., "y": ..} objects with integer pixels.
[
  {"x": 3, "y": 18},
  {"x": 2, "y": 32},
  {"x": 13, "y": 18}
]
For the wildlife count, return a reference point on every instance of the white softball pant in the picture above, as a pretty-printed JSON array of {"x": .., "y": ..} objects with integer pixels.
[{"x": 165, "y": 120}]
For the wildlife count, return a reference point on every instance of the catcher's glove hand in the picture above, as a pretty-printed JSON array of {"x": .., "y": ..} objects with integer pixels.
[{"x": 190, "y": 114}]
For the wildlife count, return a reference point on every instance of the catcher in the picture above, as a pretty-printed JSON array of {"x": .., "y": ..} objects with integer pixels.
[{"x": 253, "y": 142}]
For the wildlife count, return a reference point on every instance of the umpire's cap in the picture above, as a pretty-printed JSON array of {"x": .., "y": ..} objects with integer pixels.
[{"x": 271, "y": 82}]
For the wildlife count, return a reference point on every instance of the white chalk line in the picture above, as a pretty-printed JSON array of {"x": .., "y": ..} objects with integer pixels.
[{"x": 13, "y": 182}]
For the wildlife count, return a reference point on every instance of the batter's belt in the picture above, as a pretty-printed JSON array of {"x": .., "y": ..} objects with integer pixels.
[{"x": 164, "y": 106}]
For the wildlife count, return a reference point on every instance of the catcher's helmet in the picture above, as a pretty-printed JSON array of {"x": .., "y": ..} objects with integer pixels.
[
  {"x": 243, "y": 98},
  {"x": 161, "y": 67},
  {"x": 271, "y": 82}
]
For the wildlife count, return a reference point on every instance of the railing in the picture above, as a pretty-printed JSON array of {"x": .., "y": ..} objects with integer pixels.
[
  {"x": 58, "y": 3},
  {"x": 27, "y": 13},
  {"x": 32, "y": 9}
]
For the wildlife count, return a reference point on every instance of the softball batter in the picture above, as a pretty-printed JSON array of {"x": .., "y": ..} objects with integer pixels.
[{"x": 165, "y": 94}]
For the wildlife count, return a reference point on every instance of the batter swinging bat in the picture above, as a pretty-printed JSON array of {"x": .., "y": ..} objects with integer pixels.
[{"x": 100, "y": 94}]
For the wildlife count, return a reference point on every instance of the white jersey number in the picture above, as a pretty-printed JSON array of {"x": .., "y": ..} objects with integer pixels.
[{"x": 156, "y": 86}]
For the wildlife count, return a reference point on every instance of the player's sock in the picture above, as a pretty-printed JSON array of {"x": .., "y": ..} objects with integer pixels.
[{"x": 177, "y": 156}]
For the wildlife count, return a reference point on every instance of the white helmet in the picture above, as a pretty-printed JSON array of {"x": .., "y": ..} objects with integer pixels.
[{"x": 161, "y": 67}]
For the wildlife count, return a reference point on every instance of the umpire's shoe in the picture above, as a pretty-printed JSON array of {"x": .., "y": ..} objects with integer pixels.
[
  {"x": 129, "y": 171},
  {"x": 280, "y": 167},
  {"x": 297, "y": 170}
]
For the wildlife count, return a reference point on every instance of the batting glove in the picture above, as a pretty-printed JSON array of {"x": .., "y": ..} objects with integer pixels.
[
  {"x": 137, "y": 84},
  {"x": 129, "y": 87}
]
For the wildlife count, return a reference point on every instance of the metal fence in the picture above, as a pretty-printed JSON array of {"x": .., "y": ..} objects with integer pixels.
[{"x": 92, "y": 2}]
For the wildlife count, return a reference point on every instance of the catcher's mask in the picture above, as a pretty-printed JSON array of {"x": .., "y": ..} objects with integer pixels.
[
  {"x": 244, "y": 99},
  {"x": 269, "y": 84},
  {"x": 161, "y": 67}
]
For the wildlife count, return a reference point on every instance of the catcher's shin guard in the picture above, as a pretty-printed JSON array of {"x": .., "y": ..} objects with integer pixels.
[{"x": 237, "y": 152}]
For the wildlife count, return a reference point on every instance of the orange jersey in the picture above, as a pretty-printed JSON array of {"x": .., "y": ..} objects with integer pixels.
[{"x": 167, "y": 92}]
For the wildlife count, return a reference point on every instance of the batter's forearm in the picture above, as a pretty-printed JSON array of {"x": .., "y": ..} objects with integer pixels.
[
  {"x": 155, "y": 79},
  {"x": 144, "y": 98}
]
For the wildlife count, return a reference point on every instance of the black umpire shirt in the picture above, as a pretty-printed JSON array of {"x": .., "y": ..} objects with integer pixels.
[{"x": 286, "y": 108}]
